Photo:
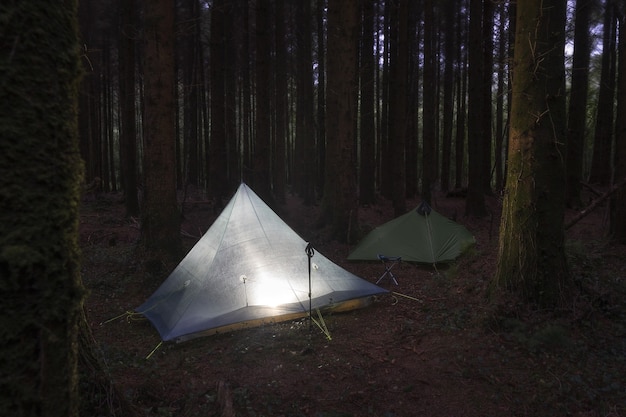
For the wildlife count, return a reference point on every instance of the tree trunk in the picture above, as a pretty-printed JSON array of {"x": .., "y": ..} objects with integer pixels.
[
  {"x": 246, "y": 98},
  {"x": 340, "y": 196},
  {"x": 412, "y": 162},
  {"x": 279, "y": 174},
  {"x": 262, "y": 148},
  {"x": 218, "y": 186},
  {"x": 430, "y": 112},
  {"x": 106, "y": 120},
  {"x": 601, "y": 158},
  {"x": 128, "y": 135},
  {"x": 304, "y": 172},
  {"x": 577, "y": 119},
  {"x": 86, "y": 97},
  {"x": 384, "y": 152},
  {"x": 531, "y": 256},
  {"x": 618, "y": 217},
  {"x": 502, "y": 86},
  {"x": 475, "y": 203},
  {"x": 398, "y": 106},
  {"x": 461, "y": 110},
  {"x": 321, "y": 94},
  {"x": 367, "y": 154},
  {"x": 231, "y": 175},
  {"x": 40, "y": 177},
  {"x": 487, "y": 95},
  {"x": 190, "y": 45},
  {"x": 451, "y": 36},
  {"x": 160, "y": 217}
]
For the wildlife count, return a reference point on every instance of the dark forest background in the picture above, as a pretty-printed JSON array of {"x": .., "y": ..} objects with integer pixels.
[{"x": 431, "y": 97}]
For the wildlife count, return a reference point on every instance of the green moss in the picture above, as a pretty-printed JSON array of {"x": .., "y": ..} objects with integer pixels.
[{"x": 40, "y": 173}]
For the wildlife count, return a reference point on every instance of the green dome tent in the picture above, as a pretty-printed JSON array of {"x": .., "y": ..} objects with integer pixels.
[
  {"x": 421, "y": 235},
  {"x": 248, "y": 269}
]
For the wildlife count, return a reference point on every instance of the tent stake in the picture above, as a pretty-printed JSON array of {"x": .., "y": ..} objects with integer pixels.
[{"x": 154, "y": 350}]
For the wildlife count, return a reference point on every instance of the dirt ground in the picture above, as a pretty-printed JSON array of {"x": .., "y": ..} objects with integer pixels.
[{"x": 435, "y": 346}]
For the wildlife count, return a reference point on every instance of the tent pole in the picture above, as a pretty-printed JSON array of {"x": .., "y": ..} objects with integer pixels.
[{"x": 309, "y": 252}]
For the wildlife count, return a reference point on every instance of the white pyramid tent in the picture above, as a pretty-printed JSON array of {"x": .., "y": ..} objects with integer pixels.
[{"x": 249, "y": 268}]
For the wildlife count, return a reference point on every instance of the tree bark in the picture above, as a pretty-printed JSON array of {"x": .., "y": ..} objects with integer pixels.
[
  {"x": 279, "y": 174},
  {"x": 40, "y": 177},
  {"x": 384, "y": 152},
  {"x": 398, "y": 106},
  {"x": 450, "y": 39},
  {"x": 531, "y": 255},
  {"x": 340, "y": 196},
  {"x": 128, "y": 135},
  {"x": 461, "y": 111},
  {"x": 247, "y": 117},
  {"x": 603, "y": 135},
  {"x": 367, "y": 154},
  {"x": 487, "y": 96},
  {"x": 430, "y": 112},
  {"x": 475, "y": 203},
  {"x": 321, "y": 95},
  {"x": 190, "y": 44},
  {"x": 231, "y": 176},
  {"x": 577, "y": 121},
  {"x": 218, "y": 186},
  {"x": 305, "y": 172},
  {"x": 262, "y": 147},
  {"x": 618, "y": 217},
  {"x": 160, "y": 217},
  {"x": 502, "y": 86},
  {"x": 412, "y": 154}
]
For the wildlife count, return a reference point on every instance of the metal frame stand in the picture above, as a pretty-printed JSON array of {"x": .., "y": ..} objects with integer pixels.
[{"x": 389, "y": 262}]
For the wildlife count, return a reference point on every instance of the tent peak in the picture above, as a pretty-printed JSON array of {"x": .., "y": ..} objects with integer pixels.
[{"x": 423, "y": 209}]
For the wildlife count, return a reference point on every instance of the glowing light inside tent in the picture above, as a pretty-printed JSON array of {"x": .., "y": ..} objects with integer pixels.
[
  {"x": 274, "y": 295},
  {"x": 265, "y": 291}
]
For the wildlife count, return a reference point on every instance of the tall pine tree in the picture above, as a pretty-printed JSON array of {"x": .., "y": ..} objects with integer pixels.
[{"x": 531, "y": 256}]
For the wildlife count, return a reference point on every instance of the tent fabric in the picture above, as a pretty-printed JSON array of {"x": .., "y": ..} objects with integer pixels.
[
  {"x": 249, "y": 265},
  {"x": 422, "y": 235}
]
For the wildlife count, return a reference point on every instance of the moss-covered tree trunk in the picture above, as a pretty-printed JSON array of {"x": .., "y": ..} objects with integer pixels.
[
  {"x": 531, "y": 257},
  {"x": 40, "y": 176},
  {"x": 160, "y": 217}
]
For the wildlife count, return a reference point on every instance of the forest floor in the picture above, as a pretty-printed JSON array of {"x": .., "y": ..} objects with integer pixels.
[{"x": 446, "y": 351}]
